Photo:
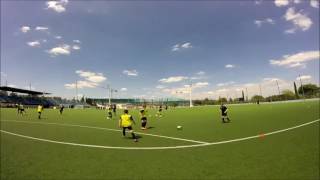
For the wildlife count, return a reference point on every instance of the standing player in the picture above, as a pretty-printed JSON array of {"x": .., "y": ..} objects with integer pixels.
[
  {"x": 40, "y": 109},
  {"x": 159, "y": 113},
  {"x": 109, "y": 113},
  {"x": 114, "y": 109},
  {"x": 21, "y": 109},
  {"x": 143, "y": 114},
  {"x": 125, "y": 122},
  {"x": 224, "y": 113},
  {"x": 61, "y": 109}
]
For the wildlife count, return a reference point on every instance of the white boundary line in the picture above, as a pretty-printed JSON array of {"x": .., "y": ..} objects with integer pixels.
[
  {"x": 108, "y": 129},
  {"x": 160, "y": 148}
]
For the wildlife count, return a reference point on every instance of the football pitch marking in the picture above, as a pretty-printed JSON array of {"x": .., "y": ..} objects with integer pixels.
[
  {"x": 154, "y": 148},
  {"x": 108, "y": 129}
]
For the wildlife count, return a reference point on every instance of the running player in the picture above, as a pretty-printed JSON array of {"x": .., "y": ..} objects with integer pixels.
[
  {"x": 224, "y": 113},
  {"x": 114, "y": 109},
  {"x": 21, "y": 109},
  {"x": 143, "y": 115},
  {"x": 125, "y": 122},
  {"x": 40, "y": 109},
  {"x": 109, "y": 113},
  {"x": 159, "y": 113},
  {"x": 61, "y": 109}
]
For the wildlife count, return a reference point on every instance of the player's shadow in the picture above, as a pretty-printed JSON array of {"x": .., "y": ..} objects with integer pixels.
[{"x": 151, "y": 127}]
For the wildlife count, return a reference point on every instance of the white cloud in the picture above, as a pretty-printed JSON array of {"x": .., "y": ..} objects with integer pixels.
[
  {"x": 130, "y": 72},
  {"x": 290, "y": 31},
  {"x": 123, "y": 89},
  {"x": 12, "y": 85},
  {"x": 200, "y": 84},
  {"x": 160, "y": 87},
  {"x": 296, "y": 60},
  {"x": 173, "y": 79},
  {"x": 299, "y": 20},
  {"x": 76, "y": 41},
  {"x": 270, "y": 79},
  {"x": 304, "y": 77},
  {"x": 230, "y": 66},
  {"x": 34, "y": 43},
  {"x": 280, "y": 3},
  {"x": 60, "y": 50},
  {"x": 58, "y": 6},
  {"x": 179, "y": 47},
  {"x": 225, "y": 84},
  {"x": 175, "y": 47},
  {"x": 186, "y": 45},
  {"x": 268, "y": 87},
  {"x": 297, "y": 1},
  {"x": 258, "y": 23},
  {"x": 200, "y": 73},
  {"x": 25, "y": 29},
  {"x": 91, "y": 80},
  {"x": 314, "y": 3},
  {"x": 58, "y": 37},
  {"x": 44, "y": 40},
  {"x": 41, "y": 28},
  {"x": 81, "y": 84},
  {"x": 91, "y": 76},
  {"x": 295, "y": 65},
  {"x": 264, "y": 21},
  {"x": 75, "y": 47}
]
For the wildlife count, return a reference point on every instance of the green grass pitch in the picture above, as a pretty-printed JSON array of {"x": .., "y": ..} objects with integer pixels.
[{"x": 291, "y": 154}]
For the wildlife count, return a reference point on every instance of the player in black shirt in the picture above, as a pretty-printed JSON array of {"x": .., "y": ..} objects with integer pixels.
[
  {"x": 159, "y": 113},
  {"x": 224, "y": 113},
  {"x": 114, "y": 109},
  {"x": 61, "y": 109}
]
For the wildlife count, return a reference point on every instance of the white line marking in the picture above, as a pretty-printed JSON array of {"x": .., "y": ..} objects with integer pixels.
[
  {"x": 108, "y": 129},
  {"x": 160, "y": 148}
]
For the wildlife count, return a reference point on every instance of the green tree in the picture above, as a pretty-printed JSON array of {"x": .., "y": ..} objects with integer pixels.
[
  {"x": 309, "y": 90},
  {"x": 288, "y": 95},
  {"x": 255, "y": 98},
  {"x": 222, "y": 100}
]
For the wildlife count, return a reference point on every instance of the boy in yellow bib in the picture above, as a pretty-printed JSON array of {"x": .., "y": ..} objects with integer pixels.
[
  {"x": 125, "y": 122},
  {"x": 40, "y": 109}
]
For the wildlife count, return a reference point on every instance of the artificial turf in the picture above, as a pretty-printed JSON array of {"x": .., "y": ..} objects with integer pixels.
[{"x": 291, "y": 154}]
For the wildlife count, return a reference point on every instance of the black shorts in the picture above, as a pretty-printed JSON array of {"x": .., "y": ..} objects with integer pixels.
[
  {"x": 129, "y": 127},
  {"x": 144, "y": 119},
  {"x": 224, "y": 114}
]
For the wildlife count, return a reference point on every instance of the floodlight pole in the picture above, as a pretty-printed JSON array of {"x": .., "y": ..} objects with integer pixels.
[
  {"x": 301, "y": 86},
  {"x": 191, "y": 105},
  {"x": 109, "y": 88},
  {"x": 247, "y": 97},
  {"x": 260, "y": 89},
  {"x": 77, "y": 91},
  {"x": 278, "y": 87}
]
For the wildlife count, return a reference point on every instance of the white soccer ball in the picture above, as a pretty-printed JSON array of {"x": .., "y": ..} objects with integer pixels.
[{"x": 179, "y": 127}]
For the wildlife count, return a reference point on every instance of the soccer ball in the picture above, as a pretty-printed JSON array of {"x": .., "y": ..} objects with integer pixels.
[{"x": 179, "y": 127}]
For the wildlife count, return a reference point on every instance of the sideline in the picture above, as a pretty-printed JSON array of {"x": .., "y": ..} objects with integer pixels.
[
  {"x": 108, "y": 129},
  {"x": 161, "y": 148}
]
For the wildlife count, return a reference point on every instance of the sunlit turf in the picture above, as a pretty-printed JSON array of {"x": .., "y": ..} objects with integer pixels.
[{"x": 289, "y": 155}]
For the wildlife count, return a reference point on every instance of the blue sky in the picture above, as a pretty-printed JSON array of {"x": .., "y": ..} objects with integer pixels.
[{"x": 155, "y": 49}]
